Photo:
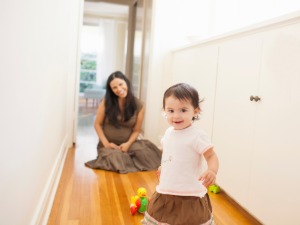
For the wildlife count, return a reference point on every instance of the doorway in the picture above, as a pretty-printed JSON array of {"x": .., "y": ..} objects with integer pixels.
[
  {"x": 103, "y": 48},
  {"x": 123, "y": 30}
]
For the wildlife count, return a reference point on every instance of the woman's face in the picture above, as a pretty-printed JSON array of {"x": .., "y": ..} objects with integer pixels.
[{"x": 119, "y": 87}]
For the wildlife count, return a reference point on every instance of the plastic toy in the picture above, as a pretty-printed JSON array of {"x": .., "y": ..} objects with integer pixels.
[
  {"x": 139, "y": 202},
  {"x": 214, "y": 188}
]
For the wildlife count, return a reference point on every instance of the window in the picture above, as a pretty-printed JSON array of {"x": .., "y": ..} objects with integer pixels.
[
  {"x": 90, "y": 45},
  {"x": 88, "y": 71}
]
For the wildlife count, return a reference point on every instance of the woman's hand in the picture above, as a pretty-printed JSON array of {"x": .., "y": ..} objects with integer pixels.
[
  {"x": 208, "y": 178},
  {"x": 124, "y": 147},
  {"x": 112, "y": 145}
]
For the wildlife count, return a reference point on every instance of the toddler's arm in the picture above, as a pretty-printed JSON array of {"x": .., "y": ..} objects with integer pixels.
[
  {"x": 209, "y": 176},
  {"x": 158, "y": 173}
]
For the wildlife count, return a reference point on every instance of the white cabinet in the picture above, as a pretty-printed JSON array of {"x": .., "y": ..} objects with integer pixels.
[{"x": 258, "y": 142}]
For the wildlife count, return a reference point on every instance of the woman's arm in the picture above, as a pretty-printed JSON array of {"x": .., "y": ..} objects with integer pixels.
[
  {"x": 98, "y": 126},
  {"x": 136, "y": 131},
  {"x": 209, "y": 176}
]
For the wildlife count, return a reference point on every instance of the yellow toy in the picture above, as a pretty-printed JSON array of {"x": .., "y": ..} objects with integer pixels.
[{"x": 139, "y": 202}]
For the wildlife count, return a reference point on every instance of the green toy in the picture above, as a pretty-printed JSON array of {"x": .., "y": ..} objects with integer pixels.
[{"x": 214, "y": 188}]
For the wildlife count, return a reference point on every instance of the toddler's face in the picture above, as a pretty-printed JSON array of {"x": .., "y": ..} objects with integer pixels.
[{"x": 179, "y": 113}]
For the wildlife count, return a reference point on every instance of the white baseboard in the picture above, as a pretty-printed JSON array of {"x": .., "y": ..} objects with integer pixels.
[{"x": 44, "y": 207}]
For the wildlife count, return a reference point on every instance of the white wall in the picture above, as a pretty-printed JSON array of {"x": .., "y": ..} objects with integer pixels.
[
  {"x": 235, "y": 14},
  {"x": 162, "y": 41},
  {"x": 38, "y": 63},
  {"x": 170, "y": 29},
  {"x": 196, "y": 20}
]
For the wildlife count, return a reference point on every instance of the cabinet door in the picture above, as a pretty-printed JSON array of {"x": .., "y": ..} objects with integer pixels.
[
  {"x": 237, "y": 80},
  {"x": 198, "y": 67},
  {"x": 275, "y": 179}
]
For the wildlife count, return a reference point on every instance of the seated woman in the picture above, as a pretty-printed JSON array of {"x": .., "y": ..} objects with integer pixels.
[{"x": 118, "y": 124}]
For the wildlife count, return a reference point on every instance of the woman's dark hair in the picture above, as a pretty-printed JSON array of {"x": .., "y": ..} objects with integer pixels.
[
  {"x": 185, "y": 92},
  {"x": 112, "y": 109}
]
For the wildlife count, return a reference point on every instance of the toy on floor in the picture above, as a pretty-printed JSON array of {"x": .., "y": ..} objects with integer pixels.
[
  {"x": 214, "y": 188},
  {"x": 139, "y": 202}
]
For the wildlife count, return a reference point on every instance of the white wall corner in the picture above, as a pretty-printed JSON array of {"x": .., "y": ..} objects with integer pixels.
[{"x": 44, "y": 206}]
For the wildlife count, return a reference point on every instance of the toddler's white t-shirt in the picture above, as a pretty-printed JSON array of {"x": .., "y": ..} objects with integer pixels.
[{"x": 181, "y": 161}]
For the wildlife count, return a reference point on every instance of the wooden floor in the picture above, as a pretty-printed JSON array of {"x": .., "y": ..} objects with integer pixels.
[{"x": 96, "y": 197}]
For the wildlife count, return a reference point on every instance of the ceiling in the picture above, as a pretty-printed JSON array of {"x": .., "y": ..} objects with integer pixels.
[
  {"x": 120, "y": 2},
  {"x": 105, "y": 9}
]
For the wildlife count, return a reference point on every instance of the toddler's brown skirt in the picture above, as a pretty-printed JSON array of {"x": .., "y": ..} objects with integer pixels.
[{"x": 178, "y": 210}]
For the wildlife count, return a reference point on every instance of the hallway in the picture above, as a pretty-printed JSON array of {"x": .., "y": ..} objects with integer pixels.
[
  {"x": 89, "y": 197},
  {"x": 39, "y": 82}
]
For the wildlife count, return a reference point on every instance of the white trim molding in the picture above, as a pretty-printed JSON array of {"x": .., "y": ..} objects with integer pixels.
[{"x": 45, "y": 204}]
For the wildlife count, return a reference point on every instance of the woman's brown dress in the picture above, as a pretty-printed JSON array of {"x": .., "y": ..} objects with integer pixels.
[{"x": 142, "y": 155}]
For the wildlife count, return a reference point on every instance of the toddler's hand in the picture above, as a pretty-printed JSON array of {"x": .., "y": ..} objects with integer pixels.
[{"x": 208, "y": 178}]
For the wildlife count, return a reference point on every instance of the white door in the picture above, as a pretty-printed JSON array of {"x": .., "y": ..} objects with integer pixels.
[
  {"x": 277, "y": 141},
  {"x": 233, "y": 132}
]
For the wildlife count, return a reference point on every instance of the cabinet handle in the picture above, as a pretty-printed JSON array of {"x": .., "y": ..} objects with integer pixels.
[{"x": 255, "y": 98}]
